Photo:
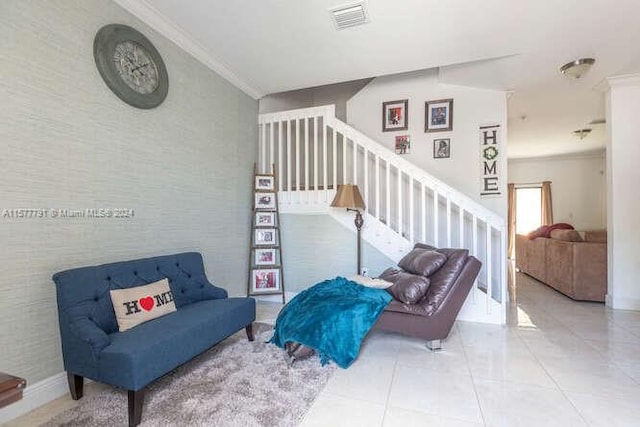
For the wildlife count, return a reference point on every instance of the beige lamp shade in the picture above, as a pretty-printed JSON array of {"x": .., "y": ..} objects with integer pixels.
[{"x": 348, "y": 196}]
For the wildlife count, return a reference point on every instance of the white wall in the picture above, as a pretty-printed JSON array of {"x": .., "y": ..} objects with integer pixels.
[
  {"x": 317, "y": 247},
  {"x": 66, "y": 141},
  {"x": 472, "y": 107},
  {"x": 578, "y": 187},
  {"x": 623, "y": 203},
  {"x": 336, "y": 94}
]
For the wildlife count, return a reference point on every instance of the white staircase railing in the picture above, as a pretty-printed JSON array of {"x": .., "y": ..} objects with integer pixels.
[{"x": 314, "y": 152}]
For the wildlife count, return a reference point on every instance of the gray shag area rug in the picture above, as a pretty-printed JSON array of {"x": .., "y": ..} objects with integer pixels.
[{"x": 236, "y": 383}]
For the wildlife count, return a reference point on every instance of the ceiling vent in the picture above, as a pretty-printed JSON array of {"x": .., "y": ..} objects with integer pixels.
[{"x": 349, "y": 16}]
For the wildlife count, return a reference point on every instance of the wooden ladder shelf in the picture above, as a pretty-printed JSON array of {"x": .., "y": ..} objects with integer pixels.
[{"x": 265, "y": 247}]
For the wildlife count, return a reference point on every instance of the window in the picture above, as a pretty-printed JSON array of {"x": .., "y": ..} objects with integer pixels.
[{"x": 528, "y": 209}]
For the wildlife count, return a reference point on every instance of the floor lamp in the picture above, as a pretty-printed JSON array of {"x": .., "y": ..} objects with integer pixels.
[{"x": 348, "y": 196}]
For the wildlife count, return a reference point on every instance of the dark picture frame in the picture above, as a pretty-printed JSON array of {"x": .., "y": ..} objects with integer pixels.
[
  {"x": 264, "y": 182},
  {"x": 442, "y": 148},
  {"x": 395, "y": 115},
  {"x": 265, "y": 219},
  {"x": 265, "y": 280},
  {"x": 265, "y": 200},
  {"x": 265, "y": 257},
  {"x": 438, "y": 115},
  {"x": 403, "y": 144},
  {"x": 265, "y": 236}
]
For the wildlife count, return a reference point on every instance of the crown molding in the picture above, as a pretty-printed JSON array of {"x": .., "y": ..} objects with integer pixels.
[
  {"x": 599, "y": 153},
  {"x": 617, "y": 81},
  {"x": 156, "y": 20}
]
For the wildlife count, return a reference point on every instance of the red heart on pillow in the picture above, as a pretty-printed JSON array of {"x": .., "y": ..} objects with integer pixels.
[{"x": 146, "y": 303}]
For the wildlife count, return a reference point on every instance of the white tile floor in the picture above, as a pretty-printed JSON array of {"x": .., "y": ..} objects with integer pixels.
[{"x": 557, "y": 363}]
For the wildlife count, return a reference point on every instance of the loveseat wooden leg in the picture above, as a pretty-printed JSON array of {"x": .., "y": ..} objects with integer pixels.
[
  {"x": 76, "y": 383},
  {"x": 136, "y": 398},
  {"x": 249, "y": 329}
]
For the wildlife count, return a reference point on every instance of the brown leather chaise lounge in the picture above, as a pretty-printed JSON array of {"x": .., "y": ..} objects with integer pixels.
[{"x": 432, "y": 316}]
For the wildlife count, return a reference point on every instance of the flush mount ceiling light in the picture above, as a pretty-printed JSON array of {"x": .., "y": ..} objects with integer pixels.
[
  {"x": 582, "y": 133},
  {"x": 578, "y": 68}
]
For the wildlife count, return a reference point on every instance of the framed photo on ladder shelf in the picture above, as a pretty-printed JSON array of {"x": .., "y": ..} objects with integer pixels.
[
  {"x": 265, "y": 219},
  {"x": 265, "y": 200},
  {"x": 265, "y": 281},
  {"x": 265, "y": 257},
  {"x": 264, "y": 182}
]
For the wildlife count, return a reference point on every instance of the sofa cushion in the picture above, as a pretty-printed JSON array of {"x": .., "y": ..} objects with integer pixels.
[
  {"x": 422, "y": 262},
  {"x": 408, "y": 288},
  {"x": 138, "y": 356},
  {"x": 566, "y": 235},
  {"x": 542, "y": 231},
  {"x": 595, "y": 236},
  {"x": 545, "y": 230},
  {"x": 134, "y": 306}
]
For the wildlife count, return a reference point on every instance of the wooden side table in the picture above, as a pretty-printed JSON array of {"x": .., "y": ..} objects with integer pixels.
[{"x": 10, "y": 389}]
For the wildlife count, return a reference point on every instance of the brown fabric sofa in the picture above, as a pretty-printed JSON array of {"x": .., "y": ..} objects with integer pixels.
[
  {"x": 571, "y": 262},
  {"x": 432, "y": 317}
]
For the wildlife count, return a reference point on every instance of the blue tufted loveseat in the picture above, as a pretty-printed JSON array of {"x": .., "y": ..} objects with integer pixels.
[{"x": 92, "y": 346}]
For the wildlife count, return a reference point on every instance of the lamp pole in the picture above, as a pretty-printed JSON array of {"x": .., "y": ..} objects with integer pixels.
[{"x": 359, "y": 221}]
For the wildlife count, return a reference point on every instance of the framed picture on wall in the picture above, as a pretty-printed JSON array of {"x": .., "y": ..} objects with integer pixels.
[
  {"x": 395, "y": 115},
  {"x": 265, "y": 257},
  {"x": 265, "y": 280},
  {"x": 403, "y": 144},
  {"x": 438, "y": 115},
  {"x": 442, "y": 148}
]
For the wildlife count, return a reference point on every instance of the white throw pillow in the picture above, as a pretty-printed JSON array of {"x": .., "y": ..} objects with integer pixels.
[
  {"x": 370, "y": 282},
  {"x": 134, "y": 306}
]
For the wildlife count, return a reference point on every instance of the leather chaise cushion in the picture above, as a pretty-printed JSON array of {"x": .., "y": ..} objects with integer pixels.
[
  {"x": 423, "y": 262},
  {"x": 443, "y": 279},
  {"x": 408, "y": 288}
]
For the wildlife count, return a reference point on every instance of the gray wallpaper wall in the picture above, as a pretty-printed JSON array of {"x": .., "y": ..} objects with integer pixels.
[
  {"x": 317, "y": 247},
  {"x": 67, "y": 142}
]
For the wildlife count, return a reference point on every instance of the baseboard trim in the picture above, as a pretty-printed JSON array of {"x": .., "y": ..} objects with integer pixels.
[
  {"x": 35, "y": 396},
  {"x": 621, "y": 303},
  {"x": 275, "y": 298}
]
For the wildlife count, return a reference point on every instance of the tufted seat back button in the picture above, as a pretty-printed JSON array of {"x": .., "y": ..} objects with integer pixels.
[
  {"x": 96, "y": 299},
  {"x": 109, "y": 278}
]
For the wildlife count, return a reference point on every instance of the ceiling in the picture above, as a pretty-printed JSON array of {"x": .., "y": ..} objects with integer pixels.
[{"x": 270, "y": 46}]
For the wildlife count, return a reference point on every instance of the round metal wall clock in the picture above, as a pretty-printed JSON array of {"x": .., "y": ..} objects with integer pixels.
[{"x": 131, "y": 66}]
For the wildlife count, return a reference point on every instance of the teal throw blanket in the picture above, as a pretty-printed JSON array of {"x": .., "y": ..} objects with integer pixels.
[{"x": 332, "y": 317}]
